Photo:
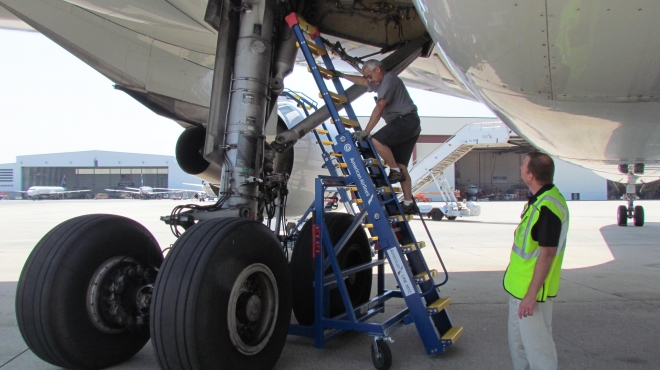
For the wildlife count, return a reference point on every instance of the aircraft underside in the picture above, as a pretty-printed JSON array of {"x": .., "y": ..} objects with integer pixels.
[{"x": 217, "y": 68}]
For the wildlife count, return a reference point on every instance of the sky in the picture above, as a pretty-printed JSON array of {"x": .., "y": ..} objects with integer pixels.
[{"x": 51, "y": 102}]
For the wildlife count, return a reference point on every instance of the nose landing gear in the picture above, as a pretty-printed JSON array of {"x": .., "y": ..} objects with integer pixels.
[{"x": 631, "y": 211}]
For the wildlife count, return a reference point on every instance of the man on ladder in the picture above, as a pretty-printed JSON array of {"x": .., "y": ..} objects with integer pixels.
[{"x": 396, "y": 141}]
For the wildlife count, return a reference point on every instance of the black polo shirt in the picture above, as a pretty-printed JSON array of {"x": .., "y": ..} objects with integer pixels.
[{"x": 547, "y": 229}]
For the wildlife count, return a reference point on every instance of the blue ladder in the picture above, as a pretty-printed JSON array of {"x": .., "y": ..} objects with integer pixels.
[{"x": 364, "y": 176}]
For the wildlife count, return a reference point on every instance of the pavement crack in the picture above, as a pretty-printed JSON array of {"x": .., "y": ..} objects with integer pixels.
[{"x": 13, "y": 358}]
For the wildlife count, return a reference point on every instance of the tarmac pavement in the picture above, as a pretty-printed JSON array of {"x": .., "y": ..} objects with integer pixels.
[{"x": 605, "y": 317}]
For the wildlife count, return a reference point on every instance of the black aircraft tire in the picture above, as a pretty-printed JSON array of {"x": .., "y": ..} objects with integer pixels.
[
  {"x": 216, "y": 262},
  {"x": 357, "y": 251},
  {"x": 622, "y": 216},
  {"x": 639, "y": 216},
  {"x": 51, "y": 307}
]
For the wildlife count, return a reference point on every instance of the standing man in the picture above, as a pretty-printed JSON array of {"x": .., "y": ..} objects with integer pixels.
[
  {"x": 396, "y": 141},
  {"x": 532, "y": 277}
]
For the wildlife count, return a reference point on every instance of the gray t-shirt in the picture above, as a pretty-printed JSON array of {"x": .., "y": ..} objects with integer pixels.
[{"x": 394, "y": 92}]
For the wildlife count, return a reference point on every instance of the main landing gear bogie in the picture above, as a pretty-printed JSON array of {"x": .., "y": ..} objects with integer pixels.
[{"x": 83, "y": 295}]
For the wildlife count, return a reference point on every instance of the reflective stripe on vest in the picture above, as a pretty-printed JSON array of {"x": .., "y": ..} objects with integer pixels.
[{"x": 519, "y": 274}]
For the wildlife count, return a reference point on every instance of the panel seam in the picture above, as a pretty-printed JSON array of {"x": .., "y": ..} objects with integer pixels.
[{"x": 551, "y": 95}]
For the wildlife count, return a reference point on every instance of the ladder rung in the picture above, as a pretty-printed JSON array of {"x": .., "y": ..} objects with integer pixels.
[
  {"x": 387, "y": 190},
  {"x": 339, "y": 99},
  {"x": 411, "y": 247},
  {"x": 373, "y": 162},
  {"x": 341, "y": 165},
  {"x": 315, "y": 49},
  {"x": 358, "y": 201},
  {"x": 327, "y": 142},
  {"x": 452, "y": 335},
  {"x": 353, "y": 188},
  {"x": 322, "y": 132},
  {"x": 424, "y": 276},
  {"x": 374, "y": 238},
  {"x": 400, "y": 218},
  {"x": 306, "y": 27},
  {"x": 369, "y": 226},
  {"x": 439, "y": 305},
  {"x": 335, "y": 154},
  {"x": 349, "y": 122},
  {"x": 325, "y": 73}
]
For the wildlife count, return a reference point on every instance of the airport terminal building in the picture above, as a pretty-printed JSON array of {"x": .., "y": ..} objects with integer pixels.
[{"x": 93, "y": 170}]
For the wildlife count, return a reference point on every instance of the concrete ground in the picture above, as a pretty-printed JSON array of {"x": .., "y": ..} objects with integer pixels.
[{"x": 605, "y": 317}]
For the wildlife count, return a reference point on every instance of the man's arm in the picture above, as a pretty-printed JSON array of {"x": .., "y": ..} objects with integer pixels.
[
  {"x": 375, "y": 115},
  {"x": 358, "y": 80},
  {"x": 541, "y": 269}
]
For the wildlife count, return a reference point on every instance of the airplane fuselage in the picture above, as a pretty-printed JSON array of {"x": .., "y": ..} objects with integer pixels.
[{"x": 562, "y": 74}]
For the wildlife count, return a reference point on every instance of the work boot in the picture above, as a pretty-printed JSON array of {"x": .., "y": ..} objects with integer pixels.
[
  {"x": 412, "y": 209},
  {"x": 396, "y": 176}
]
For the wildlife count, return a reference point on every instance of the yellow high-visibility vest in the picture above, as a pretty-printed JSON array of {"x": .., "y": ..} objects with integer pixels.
[{"x": 525, "y": 250}]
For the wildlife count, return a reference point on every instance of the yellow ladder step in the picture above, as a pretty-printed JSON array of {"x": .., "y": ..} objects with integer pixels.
[
  {"x": 349, "y": 122},
  {"x": 353, "y": 188},
  {"x": 423, "y": 276},
  {"x": 369, "y": 226},
  {"x": 373, "y": 162},
  {"x": 341, "y": 165},
  {"x": 306, "y": 27},
  {"x": 400, "y": 218},
  {"x": 327, "y": 142},
  {"x": 374, "y": 238},
  {"x": 452, "y": 335},
  {"x": 338, "y": 99},
  {"x": 335, "y": 154},
  {"x": 358, "y": 201},
  {"x": 325, "y": 73},
  {"x": 322, "y": 132},
  {"x": 315, "y": 49},
  {"x": 439, "y": 305},
  {"x": 387, "y": 190},
  {"x": 411, "y": 247}
]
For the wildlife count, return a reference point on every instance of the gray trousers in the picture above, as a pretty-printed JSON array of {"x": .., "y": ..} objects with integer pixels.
[{"x": 530, "y": 338}]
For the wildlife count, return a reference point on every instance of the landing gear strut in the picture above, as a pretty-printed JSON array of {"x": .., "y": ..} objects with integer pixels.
[{"x": 631, "y": 211}]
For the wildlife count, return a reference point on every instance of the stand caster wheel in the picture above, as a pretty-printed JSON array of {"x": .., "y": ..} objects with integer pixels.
[{"x": 381, "y": 355}]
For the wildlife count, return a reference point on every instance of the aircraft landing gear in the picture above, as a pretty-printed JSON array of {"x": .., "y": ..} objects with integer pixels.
[{"x": 631, "y": 211}]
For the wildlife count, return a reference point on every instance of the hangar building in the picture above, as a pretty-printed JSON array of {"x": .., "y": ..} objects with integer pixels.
[{"x": 93, "y": 170}]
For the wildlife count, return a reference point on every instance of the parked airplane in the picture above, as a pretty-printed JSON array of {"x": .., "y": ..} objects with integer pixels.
[
  {"x": 56, "y": 192},
  {"x": 556, "y": 72},
  {"x": 208, "y": 191},
  {"x": 146, "y": 192}
]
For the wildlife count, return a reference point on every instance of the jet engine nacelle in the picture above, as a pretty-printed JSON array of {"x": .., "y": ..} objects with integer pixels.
[{"x": 189, "y": 149}]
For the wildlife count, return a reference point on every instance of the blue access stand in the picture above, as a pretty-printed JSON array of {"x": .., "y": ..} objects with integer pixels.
[{"x": 362, "y": 174}]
